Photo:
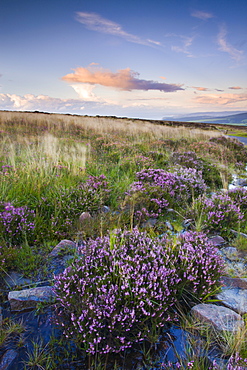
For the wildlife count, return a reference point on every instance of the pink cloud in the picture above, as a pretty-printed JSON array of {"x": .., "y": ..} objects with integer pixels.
[
  {"x": 235, "y": 87},
  {"x": 200, "y": 88},
  {"x": 124, "y": 79},
  {"x": 221, "y": 99}
]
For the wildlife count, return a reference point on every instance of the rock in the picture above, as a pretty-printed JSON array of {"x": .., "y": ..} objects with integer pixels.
[
  {"x": 1, "y": 317},
  {"x": 63, "y": 248},
  {"x": 105, "y": 209},
  {"x": 234, "y": 298},
  {"x": 29, "y": 298},
  {"x": 14, "y": 279},
  {"x": 230, "y": 282},
  {"x": 84, "y": 216},
  {"x": 221, "y": 318},
  {"x": 169, "y": 226},
  {"x": 240, "y": 182},
  {"x": 231, "y": 253},
  {"x": 187, "y": 223},
  {"x": 217, "y": 240},
  {"x": 8, "y": 359},
  {"x": 150, "y": 222}
]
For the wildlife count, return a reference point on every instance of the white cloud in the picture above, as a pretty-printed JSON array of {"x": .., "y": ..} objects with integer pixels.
[
  {"x": 225, "y": 46},
  {"x": 186, "y": 43},
  {"x": 95, "y": 22},
  {"x": 202, "y": 15}
]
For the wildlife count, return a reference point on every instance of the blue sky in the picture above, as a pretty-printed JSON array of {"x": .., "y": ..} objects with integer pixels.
[{"x": 146, "y": 59}]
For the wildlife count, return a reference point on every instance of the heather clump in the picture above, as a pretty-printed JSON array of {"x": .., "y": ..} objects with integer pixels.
[
  {"x": 156, "y": 190},
  {"x": 237, "y": 148},
  {"x": 124, "y": 287},
  {"x": 210, "y": 172},
  {"x": 216, "y": 213},
  {"x": 16, "y": 224},
  {"x": 239, "y": 196}
]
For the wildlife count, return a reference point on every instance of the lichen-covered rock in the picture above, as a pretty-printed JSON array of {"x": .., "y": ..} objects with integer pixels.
[
  {"x": 221, "y": 318},
  {"x": 29, "y": 298}
]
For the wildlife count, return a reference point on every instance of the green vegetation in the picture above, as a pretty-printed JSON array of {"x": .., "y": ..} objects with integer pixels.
[{"x": 135, "y": 180}]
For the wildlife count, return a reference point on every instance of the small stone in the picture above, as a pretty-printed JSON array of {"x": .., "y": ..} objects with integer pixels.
[
  {"x": 63, "y": 248},
  {"x": 217, "y": 240},
  {"x": 221, "y": 318},
  {"x": 234, "y": 298},
  {"x": 105, "y": 209},
  {"x": 85, "y": 216},
  {"x": 29, "y": 298},
  {"x": 231, "y": 253},
  {"x": 8, "y": 359},
  {"x": 150, "y": 222}
]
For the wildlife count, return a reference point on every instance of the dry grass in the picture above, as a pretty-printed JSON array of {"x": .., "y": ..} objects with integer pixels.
[{"x": 129, "y": 128}]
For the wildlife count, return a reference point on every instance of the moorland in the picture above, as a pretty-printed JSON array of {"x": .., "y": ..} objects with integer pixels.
[{"x": 140, "y": 199}]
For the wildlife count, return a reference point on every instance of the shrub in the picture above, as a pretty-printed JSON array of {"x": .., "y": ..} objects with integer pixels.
[
  {"x": 16, "y": 224},
  {"x": 125, "y": 285},
  {"x": 157, "y": 190},
  {"x": 239, "y": 196},
  {"x": 218, "y": 213}
]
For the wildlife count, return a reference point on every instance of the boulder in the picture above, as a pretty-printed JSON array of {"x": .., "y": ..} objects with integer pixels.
[
  {"x": 29, "y": 298},
  {"x": 234, "y": 298},
  {"x": 219, "y": 317}
]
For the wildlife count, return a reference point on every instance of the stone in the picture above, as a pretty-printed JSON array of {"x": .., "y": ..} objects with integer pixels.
[
  {"x": 14, "y": 279},
  {"x": 149, "y": 223},
  {"x": 231, "y": 253},
  {"x": 84, "y": 216},
  {"x": 240, "y": 182},
  {"x": 1, "y": 317},
  {"x": 221, "y": 318},
  {"x": 8, "y": 359},
  {"x": 105, "y": 209},
  {"x": 237, "y": 282},
  {"x": 29, "y": 298},
  {"x": 63, "y": 248},
  {"x": 234, "y": 298},
  {"x": 217, "y": 240}
]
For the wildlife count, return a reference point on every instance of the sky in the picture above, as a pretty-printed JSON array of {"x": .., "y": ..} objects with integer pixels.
[{"x": 140, "y": 59}]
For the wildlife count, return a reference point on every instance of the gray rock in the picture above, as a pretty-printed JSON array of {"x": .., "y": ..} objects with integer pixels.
[
  {"x": 63, "y": 248},
  {"x": 230, "y": 253},
  {"x": 29, "y": 298},
  {"x": 8, "y": 359},
  {"x": 240, "y": 182},
  {"x": 217, "y": 240},
  {"x": 14, "y": 279},
  {"x": 221, "y": 318},
  {"x": 84, "y": 216},
  {"x": 234, "y": 298},
  {"x": 150, "y": 222},
  {"x": 105, "y": 209},
  {"x": 237, "y": 282}
]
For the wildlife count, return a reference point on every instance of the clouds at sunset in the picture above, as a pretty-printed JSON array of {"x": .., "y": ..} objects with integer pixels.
[
  {"x": 124, "y": 79},
  {"x": 198, "y": 88},
  {"x": 235, "y": 88},
  {"x": 221, "y": 99}
]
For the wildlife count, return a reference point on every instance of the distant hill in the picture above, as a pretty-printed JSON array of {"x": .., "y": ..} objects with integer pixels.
[{"x": 233, "y": 119}]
